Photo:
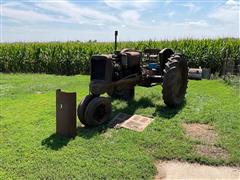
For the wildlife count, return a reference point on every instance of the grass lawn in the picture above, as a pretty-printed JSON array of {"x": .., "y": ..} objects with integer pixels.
[{"x": 29, "y": 149}]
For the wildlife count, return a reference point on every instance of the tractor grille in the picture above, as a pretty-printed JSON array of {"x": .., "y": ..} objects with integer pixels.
[{"x": 98, "y": 69}]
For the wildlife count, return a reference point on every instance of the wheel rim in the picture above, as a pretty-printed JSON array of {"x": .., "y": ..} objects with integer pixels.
[{"x": 99, "y": 113}]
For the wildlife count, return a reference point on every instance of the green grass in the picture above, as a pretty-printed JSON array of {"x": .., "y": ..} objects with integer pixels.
[
  {"x": 232, "y": 80},
  {"x": 30, "y": 149}
]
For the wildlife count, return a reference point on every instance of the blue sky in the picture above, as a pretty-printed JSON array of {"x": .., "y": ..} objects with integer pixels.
[{"x": 64, "y": 20}]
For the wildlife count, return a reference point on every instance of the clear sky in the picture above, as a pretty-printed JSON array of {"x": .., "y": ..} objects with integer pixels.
[{"x": 63, "y": 20}]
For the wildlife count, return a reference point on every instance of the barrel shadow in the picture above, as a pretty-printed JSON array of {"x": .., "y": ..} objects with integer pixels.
[{"x": 56, "y": 142}]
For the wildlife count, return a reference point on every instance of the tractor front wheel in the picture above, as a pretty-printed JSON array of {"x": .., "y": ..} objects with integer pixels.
[
  {"x": 97, "y": 112},
  {"x": 82, "y": 108},
  {"x": 175, "y": 80}
]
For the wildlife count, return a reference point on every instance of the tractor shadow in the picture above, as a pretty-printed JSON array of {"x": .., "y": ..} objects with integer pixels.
[
  {"x": 132, "y": 106},
  {"x": 56, "y": 142},
  {"x": 146, "y": 102},
  {"x": 167, "y": 112}
]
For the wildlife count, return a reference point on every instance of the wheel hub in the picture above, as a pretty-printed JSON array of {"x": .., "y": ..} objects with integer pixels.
[{"x": 99, "y": 112}]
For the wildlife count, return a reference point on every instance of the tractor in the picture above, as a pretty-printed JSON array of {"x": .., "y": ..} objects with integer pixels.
[{"x": 117, "y": 75}]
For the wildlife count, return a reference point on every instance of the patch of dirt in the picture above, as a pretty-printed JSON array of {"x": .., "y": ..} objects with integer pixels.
[
  {"x": 203, "y": 132},
  {"x": 183, "y": 170},
  {"x": 207, "y": 136},
  {"x": 212, "y": 151}
]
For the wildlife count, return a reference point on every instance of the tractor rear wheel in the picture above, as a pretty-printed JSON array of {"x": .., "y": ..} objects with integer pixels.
[
  {"x": 82, "y": 108},
  {"x": 97, "y": 112},
  {"x": 164, "y": 55},
  {"x": 175, "y": 80},
  {"x": 126, "y": 94}
]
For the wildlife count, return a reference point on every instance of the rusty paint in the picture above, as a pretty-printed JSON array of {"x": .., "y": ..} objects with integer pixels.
[{"x": 65, "y": 113}]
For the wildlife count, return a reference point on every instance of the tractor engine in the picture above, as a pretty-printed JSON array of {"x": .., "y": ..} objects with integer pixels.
[
  {"x": 126, "y": 63},
  {"x": 110, "y": 68}
]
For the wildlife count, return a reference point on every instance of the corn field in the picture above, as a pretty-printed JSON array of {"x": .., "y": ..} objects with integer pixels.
[{"x": 73, "y": 57}]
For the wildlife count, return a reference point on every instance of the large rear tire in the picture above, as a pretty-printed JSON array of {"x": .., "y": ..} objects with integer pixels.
[
  {"x": 175, "y": 81},
  {"x": 164, "y": 54},
  {"x": 97, "y": 112}
]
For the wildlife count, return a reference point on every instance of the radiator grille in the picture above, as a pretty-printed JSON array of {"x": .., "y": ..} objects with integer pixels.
[{"x": 98, "y": 69}]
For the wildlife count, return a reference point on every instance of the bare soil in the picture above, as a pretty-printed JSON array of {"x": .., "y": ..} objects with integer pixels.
[
  {"x": 212, "y": 151},
  {"x": 207, "y": 137},
  {"x": 202, "y": 132}
]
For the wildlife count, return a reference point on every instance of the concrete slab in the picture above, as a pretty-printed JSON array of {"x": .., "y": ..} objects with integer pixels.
[{"x": 183, "y": 170}]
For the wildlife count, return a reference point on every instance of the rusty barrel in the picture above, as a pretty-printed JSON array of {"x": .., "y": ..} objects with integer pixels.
[
  {"x": 65, "y": 113},
  {"x": 195, "y": 73}
]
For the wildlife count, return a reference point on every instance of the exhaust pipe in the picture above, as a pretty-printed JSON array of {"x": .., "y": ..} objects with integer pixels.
[{"x": 116, "y": 34}]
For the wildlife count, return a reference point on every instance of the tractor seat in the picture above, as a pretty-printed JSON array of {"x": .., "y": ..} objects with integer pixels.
[{"x": 153, "y": 56}]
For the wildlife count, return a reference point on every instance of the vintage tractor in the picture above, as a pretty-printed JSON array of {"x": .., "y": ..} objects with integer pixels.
[{"x": 117, "y": 75}]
